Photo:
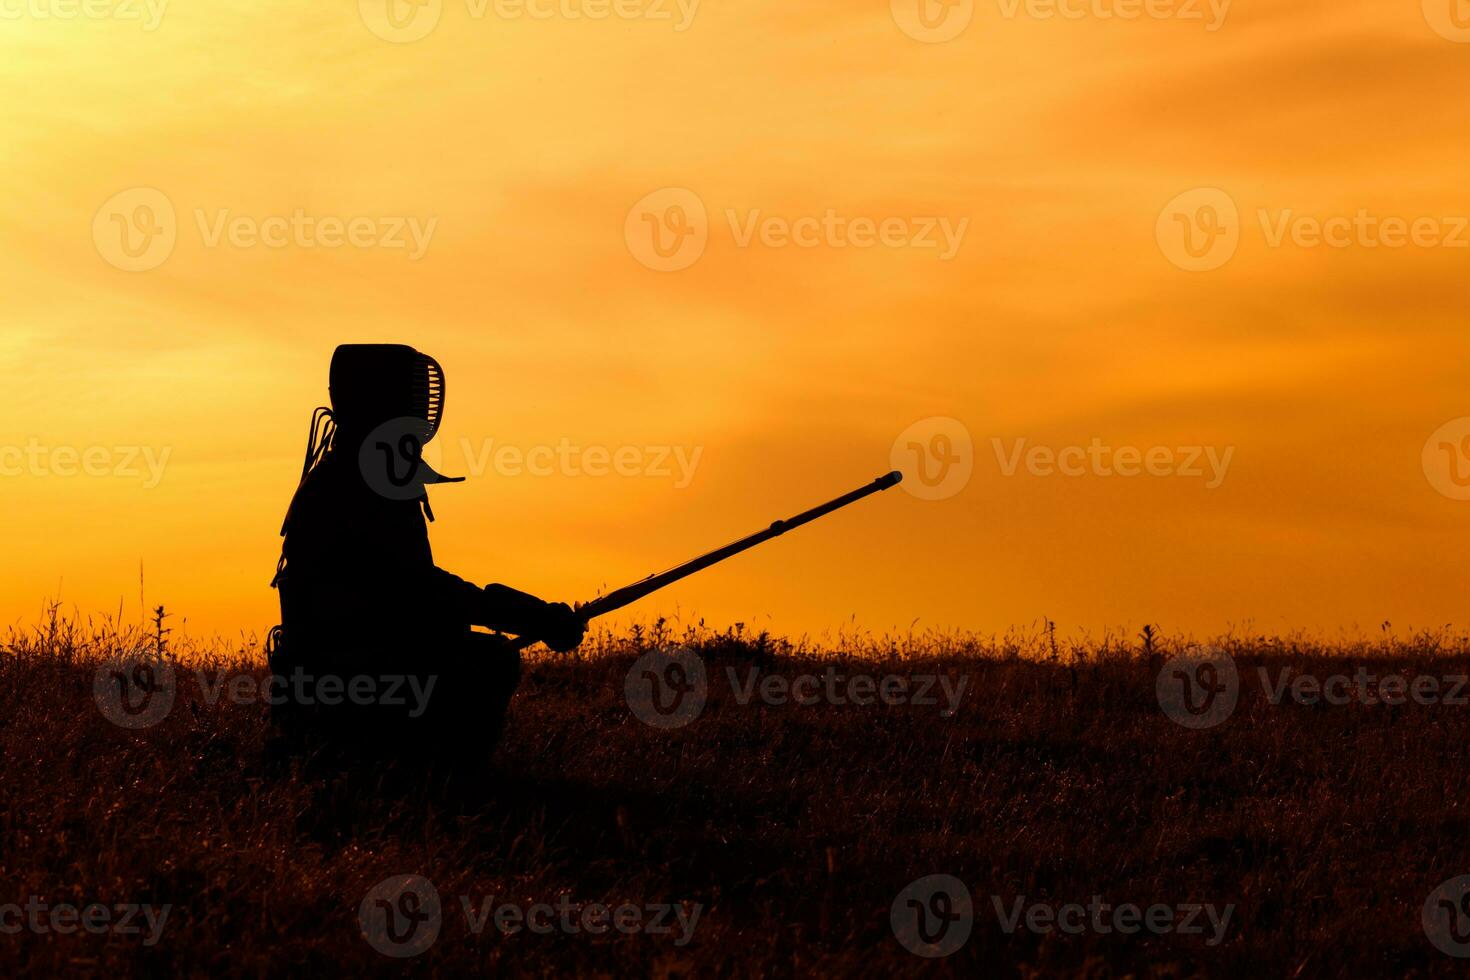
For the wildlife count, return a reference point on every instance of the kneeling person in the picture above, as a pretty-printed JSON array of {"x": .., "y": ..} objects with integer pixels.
[{"x": 361, "y": 595}]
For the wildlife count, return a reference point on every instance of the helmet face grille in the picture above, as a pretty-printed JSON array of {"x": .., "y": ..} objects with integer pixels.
[
  {"x": 375, "y": 383},
  {"x": 434, "y": 387}
]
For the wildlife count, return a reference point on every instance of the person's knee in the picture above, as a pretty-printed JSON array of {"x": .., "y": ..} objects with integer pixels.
[{"x": 493, "y": 659}]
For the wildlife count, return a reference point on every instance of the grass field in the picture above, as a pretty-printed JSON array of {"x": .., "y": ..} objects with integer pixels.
[{"x": 780, "y": 835}]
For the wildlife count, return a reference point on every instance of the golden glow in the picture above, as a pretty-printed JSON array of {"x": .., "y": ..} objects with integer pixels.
[{"x": 792, "y": 370}]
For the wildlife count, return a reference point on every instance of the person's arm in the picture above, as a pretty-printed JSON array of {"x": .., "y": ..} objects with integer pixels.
[
  {"x": 513, "y": 611},
  {"x": 508, "y": 610}
]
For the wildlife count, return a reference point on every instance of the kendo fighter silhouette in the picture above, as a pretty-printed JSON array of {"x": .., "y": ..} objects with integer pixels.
[{"x": 362, "y": 601}]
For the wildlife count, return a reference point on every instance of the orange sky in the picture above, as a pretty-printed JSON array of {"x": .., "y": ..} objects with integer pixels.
[{"x": 1063, "y": 315}]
